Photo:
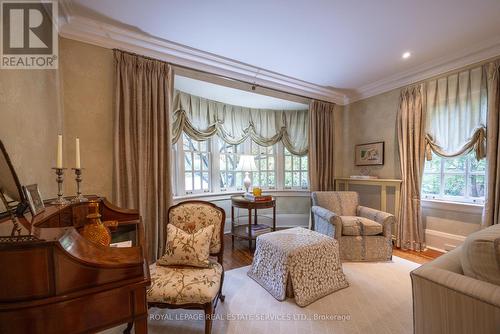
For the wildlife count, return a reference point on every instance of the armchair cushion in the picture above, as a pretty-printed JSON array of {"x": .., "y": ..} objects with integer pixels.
[
  {"x": 192, "y": 216},
  {"x": 191, "y": 249},
  {"x": 352, "y": 225},
  {"x": 184, "y": 285}
]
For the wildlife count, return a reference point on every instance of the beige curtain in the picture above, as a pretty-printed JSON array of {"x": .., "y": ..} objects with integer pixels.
[
  {"x": 456, "y": 114},
  {"x": 492, "y": 197},
  {"x": 411, "y": 139},
  {"x": 321, "y": 146},
  {"x": 201, "y": 119},
  {"x": 142, "y": 155}
]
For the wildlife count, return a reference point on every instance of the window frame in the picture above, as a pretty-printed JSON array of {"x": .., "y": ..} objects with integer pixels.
[
  {"x": 466, "y": 199},
  {"x": 215, "y": 171}
]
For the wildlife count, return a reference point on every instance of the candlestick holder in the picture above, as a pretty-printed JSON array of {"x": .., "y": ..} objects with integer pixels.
[
  {"x": 60, "y": 178},
  {"x": 79, "y": 197}
]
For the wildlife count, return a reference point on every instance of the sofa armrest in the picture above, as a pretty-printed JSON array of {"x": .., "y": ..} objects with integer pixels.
[
  {"x": 321, "y": 214},
  {"x": 381, "y": 217},
  {"x": 448, "y": 302}
]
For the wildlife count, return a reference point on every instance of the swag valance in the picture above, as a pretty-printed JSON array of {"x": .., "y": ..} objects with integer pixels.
[
  {"x": 201, "y": 119},
  {"x": 456, "y": 114}
]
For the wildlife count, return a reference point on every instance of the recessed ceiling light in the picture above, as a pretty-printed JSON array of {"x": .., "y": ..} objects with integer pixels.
[{"x": 406, "y": 55}]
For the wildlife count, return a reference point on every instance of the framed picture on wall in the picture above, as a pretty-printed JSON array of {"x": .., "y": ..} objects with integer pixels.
[{"x": 369, "y": 154}]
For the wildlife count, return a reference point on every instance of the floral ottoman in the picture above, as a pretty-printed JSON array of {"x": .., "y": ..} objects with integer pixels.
[{"x": 298, "y": 263}]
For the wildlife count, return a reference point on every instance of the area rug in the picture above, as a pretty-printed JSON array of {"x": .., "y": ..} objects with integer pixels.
[{"x": 378, "y": 300}]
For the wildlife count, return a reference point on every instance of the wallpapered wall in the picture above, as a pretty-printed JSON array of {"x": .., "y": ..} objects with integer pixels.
[
  {"x": 374, "y": 119},
  {"x": 31, "y": 116}
]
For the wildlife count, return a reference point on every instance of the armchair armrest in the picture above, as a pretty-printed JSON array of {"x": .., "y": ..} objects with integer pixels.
[
  {"x": 381, "y": 217},
  {"x": 329, "y": 217}
]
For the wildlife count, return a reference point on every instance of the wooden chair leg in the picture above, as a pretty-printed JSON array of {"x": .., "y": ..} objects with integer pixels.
[
  {"x": 209, "y": 312},
  {"x": 221, "y": 296}
]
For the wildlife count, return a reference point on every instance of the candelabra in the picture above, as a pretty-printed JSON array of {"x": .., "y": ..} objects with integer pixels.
[
  {"x": 60, "y": 179},
  {"x": 79, "y": 197}
]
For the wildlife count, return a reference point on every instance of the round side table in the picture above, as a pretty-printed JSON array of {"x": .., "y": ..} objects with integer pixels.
[{"x": 244, "y": 231}]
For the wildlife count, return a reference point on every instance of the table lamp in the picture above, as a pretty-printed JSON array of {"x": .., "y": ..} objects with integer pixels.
[{"x": 247, "y": 165}]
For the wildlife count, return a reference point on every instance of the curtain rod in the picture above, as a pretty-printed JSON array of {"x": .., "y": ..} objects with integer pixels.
[{"x": 222, "y": 76}]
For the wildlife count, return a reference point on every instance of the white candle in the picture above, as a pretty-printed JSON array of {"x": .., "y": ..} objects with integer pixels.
[
  {"x": 77, "y": 153},
  {"x": 59, "y": 163}
]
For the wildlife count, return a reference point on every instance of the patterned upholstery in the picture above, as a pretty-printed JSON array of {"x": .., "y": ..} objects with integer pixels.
[
  {"x": 190, "y": 249},
  {"x": 364, "y": 234},
  {"x": 184, "y": 285},
  {"x": 352, "y": 225},
  {"x": 191, "y": 217},
  {"x": 343, "y": 203},
  {"x": 298, "y": 263}
]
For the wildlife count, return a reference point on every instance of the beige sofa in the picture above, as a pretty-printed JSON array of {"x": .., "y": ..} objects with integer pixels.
[{"x": 459, "y": 292}]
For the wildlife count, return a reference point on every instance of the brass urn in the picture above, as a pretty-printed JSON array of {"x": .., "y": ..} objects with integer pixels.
[{"x": 94, "y": 230}]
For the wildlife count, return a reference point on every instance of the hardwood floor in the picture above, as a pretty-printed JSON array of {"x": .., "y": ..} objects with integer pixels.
[{"x": 241, "y": 256}]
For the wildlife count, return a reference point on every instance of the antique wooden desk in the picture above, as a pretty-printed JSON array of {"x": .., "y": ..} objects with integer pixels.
[
  {"x": 63, "y": 283},
  {"x": 244, "y": 231}
]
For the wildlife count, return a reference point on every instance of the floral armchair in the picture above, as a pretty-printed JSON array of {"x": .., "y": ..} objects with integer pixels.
[
  {"x": 190, "y": 287},
  {"x": 364, "y": 234}
]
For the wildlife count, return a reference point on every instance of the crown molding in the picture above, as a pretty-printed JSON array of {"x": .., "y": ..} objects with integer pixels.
[
  {"x": 111, "y": 36},
  {"x": 475, "y": 54}
]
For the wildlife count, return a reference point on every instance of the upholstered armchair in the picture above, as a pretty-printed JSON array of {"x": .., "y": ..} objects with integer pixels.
[
  {"x": 191, "y": 287},
  {"x": 364, "y": 234}
]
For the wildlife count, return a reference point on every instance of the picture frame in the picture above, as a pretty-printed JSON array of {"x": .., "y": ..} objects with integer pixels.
[
  {"x": 369, "y": 154},
  {"x": 34, "y": 198}
]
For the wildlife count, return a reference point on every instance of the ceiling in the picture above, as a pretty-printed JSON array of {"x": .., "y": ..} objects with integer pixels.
[
  {"x": 233, "y": 96},
  {"x": 347, "y": 45}
]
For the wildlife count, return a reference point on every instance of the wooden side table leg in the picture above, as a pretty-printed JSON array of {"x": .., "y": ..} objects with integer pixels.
[
  {"x": 250, "y": 228},
  {"x": 274, "y": 218},
  {"x": 141, "y": 326},
  {"x": 232, "y": 227}
]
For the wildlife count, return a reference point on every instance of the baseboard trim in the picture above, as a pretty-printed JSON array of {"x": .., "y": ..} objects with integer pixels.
[{"x": 442, "y": 241}]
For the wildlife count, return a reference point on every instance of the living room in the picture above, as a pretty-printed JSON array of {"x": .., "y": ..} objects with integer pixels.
[{"x": 333, "y": 166}]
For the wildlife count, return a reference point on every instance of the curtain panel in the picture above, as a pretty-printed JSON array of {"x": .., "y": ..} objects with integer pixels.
[
  {"x": 202, "y": 118},
  {"x": 142, "y": 156},
  {"x": 411, "y": 140},
  {"x": 492, "y": 197},
  {"x": 456, "y": 114},
  {"x": 321, "y": 146}
]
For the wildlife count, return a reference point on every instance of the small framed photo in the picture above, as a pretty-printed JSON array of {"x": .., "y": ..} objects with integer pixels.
[
  {"x": 34, "y": 199},
  {"x": 369, "y": 154}
]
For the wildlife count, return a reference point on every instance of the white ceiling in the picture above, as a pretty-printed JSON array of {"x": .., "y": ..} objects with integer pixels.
[
  {"x": 335, "y": 43},
  {"x": 233, "y": 96}
]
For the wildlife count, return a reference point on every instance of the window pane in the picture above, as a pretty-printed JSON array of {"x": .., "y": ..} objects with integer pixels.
[
  {"x": 296, "y": 179},
  {"x": 288, "y": 179},
  {"x": 239, "y": 180},
  {"x": 263, "y": 164},
  {"x": 476, "y": 185},
  {"x": 454, "y": 185},
  {"x": 263, "y": 179},
  {"x": 205, "y": 180},
  {"x": 197, "y": 162},
  {"x": 186, "y": 143},
  {"x": 430, "y": 184},
  {"x": 271, "y": 179},
  {"x": 204, "y": 158},
  {"x": 223, "y": 178},
  {"x": 188, "y": 163},
  {"x": 230, "y": 180},
  {"x": 433, "y": 166},
  {"x": 204, "y": 146},
  {"x": 222, "y": 162},
  {"x": 197, "y": 181},
  {"x": 303, "y": 180},
  {"x": 270, "y": 163},
  {"x": 296, "y": 162},
  {"x": 477, "y": 166},
  {"x": 188, "y": 181},
  {"x": 304, "y": 163},
  {"x": 288, "y": 162},
  {"x": 455, "y": 164}
]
